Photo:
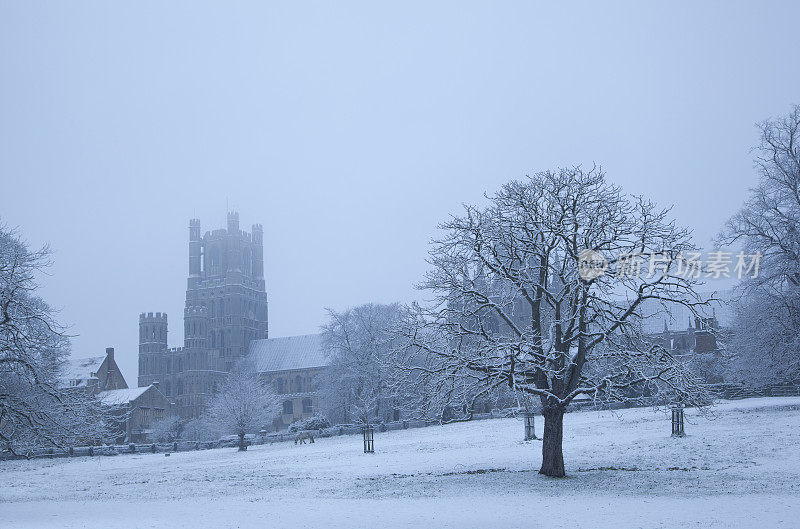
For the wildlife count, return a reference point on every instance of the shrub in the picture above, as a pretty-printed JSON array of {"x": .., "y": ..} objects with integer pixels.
[{"x": 312, "y": 423}]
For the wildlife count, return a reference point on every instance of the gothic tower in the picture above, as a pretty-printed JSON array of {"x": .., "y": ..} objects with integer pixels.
[
  {"x": 226, "y": 308},
  {"x": 152, "y": 347}
]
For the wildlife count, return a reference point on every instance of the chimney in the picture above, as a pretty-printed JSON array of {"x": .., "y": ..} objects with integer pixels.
[
  {"x": 110, "y": 352},
  {"x": 155, "y": 384}
]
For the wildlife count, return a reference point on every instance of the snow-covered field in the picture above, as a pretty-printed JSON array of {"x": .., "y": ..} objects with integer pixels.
[{"x": 738, "y": 468}]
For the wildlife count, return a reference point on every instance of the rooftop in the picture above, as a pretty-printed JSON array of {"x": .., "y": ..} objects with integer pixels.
[
  {"x": 288, "y": 353},
  {"x": 82, "y": 368},
  {"x": 117, "y": 397}
]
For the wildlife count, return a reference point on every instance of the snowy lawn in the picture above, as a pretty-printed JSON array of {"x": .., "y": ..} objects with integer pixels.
[{"x": 739, "y": 467}]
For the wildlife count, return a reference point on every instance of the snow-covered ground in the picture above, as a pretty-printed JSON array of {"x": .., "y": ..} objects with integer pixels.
[{"x": 740, "y": 467}]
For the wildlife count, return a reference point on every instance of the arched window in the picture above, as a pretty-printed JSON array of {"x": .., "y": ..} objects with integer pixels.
[
  {"x": 213, "y": 258},
  {"x": 307, "y": 407},
  {"x": 213, "y": 309},
  {"x": 168, "y": 388},
  {"x": 298, "y": 384},
  {"x": 288, "y": 409},
  {"x": 222, "y": 338},
  {"x": 213, "y": 339}
]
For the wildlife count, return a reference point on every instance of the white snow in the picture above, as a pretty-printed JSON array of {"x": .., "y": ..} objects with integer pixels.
[
  {"x": 116, "y": 397},
  {"x": 738, "y": 467}
]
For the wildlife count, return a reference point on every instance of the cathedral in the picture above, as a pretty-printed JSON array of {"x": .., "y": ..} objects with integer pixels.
[{"x": 226, "y": 309}]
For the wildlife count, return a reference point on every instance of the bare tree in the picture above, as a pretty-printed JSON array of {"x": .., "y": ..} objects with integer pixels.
[
  {"x": 766, "y": 343},
  {"x": 354, "y": 387},
  {"x": 167, "y": 430},
  {"x": 34, "y": 411},
  {"x": 244, "y": 404},
  {"x": 201, "y": 429},
  {"x": 518, "y": 301}
]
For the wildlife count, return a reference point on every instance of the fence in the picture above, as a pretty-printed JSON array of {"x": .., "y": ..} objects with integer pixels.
[
  {"x": 737, "y": 391},
  {"x": 113, "y": 450},
  {"x": 185, "y": 446}
]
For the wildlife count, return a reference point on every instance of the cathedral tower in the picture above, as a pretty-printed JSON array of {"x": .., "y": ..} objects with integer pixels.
[
  {"x": 226, "y": 308},
  {"x": 152, "y": 347}
]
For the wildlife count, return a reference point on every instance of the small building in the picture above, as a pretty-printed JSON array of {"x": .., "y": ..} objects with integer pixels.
[
  {"x": 137, "y": 409},
  {"x": 700, "y": 338},
  {"x": 97, "y": 373},
  {"x": 292, "y": 366}
]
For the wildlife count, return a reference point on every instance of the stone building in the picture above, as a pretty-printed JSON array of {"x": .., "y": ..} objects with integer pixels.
[
  {"x": 96, "y": 373},
  {"x": 293, "y": 366},
  {"x": 138, "y": 410},
  {"x": 698, "y": 338},
  {"x": 226, "y": 309}
]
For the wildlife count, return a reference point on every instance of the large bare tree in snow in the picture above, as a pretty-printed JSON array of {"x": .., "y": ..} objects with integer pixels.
[
  {"x": 766, "y": 342},
  {"x": 245, "y": 403},
  {"x": 35, "y": 412},
  {"x": 518, "y": 302}
]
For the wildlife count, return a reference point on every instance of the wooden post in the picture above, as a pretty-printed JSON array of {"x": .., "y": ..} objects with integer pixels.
[
  {"x": 369, "y": 439},
  {"x": 677, "y": 421},
  {"x": 530, "y": 426}
]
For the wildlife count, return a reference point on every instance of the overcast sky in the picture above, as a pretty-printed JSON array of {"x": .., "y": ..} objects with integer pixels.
[{"x": 350, "y": 130}]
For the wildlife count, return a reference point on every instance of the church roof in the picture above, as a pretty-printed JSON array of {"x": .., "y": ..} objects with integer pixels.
[
  {"x": 117, "y": 397},
  {"x": 288, "y": 353}
]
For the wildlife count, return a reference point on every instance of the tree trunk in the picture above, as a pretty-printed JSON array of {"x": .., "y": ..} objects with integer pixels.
[
  {"x": 242, "y": 446},
  {"x": 552, "y": 457}
]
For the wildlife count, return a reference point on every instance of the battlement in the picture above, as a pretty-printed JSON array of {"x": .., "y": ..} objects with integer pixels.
[
  {"x": 194, "y": 223},
  {"x": 151, "y": 317},
  {"x": 175, "y": 350},
  {"x": 222, "y": 234}
]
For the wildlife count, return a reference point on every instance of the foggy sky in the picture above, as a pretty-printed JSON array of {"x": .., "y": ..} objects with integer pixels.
[{"x": 349, "y": 131}]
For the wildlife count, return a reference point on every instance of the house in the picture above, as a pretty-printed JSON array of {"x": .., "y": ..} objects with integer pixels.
[
  {"x": 137, "y": 409},
  {"x": 292, "y": 366},
  {"x": 97, "y": 373}
]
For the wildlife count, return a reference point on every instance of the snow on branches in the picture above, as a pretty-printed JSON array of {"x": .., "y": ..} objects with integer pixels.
[{"x": 512, "y": 309}]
